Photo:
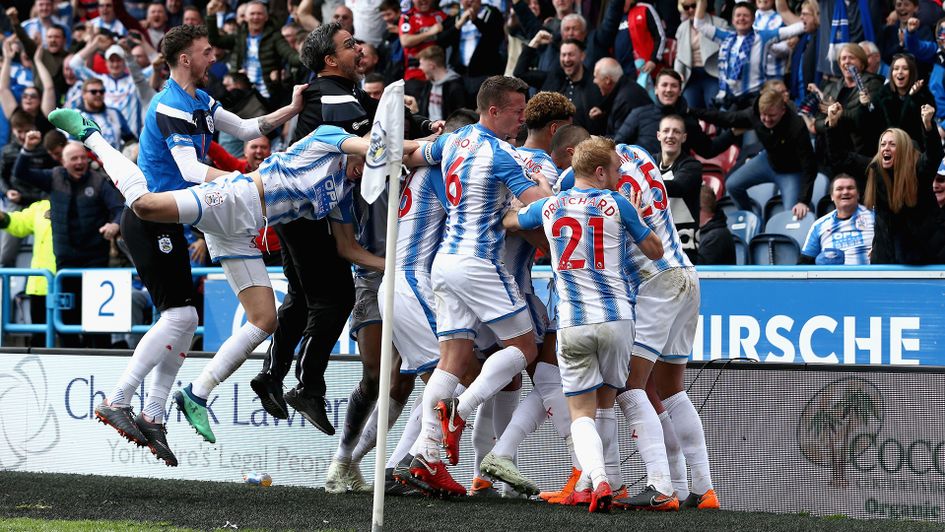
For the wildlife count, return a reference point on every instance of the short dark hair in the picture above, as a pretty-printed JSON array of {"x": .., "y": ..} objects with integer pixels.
[
  {"x": 319, "y": 43},
  {"x": 92, "y": 81},
  {"x": 54, "y": 139},
  {"x": 240, "y": 79},
  {"x": 668, "y": 72},
  {"x": 575, "y": 42},
  {"x": 459, "y": 118},
  {"x": 57, "y": 27},
  {"x": 839, "y": 177},
  {"x": 747, "y": 5},
  {"x": 20, "y": 119},
  {"x": 179, "y": 39},
  {"x": 374, "y": 77},
  {"x": 495, "y": 90},
  {"x": 389, "y": 5},
  {"x": 568, "y": 136},
  {"x": 707, "y": 200}
]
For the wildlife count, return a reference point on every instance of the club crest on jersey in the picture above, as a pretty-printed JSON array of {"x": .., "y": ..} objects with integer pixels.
[
  {"x": 164, "y": 244},
  {"x": 213, "y": 198},
  {"x": 861, "y": 223},
  {"x": 209, "y": 123},
  {"x": 377, "y": 150}
]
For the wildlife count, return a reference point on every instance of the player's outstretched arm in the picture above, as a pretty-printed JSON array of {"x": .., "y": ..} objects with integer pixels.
[
  {"x": 361, "y": 145},
  {"x": 252, "y": 128},
  {"x": 351, "y": 251}
]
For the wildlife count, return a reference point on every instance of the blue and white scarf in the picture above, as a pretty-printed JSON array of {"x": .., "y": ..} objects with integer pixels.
[
  {"x": 840, "y": 28},
  {"x": 732, "y": 68}
]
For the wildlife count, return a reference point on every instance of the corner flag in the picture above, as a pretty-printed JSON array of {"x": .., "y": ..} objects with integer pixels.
[{"x": 387, "y": 142}]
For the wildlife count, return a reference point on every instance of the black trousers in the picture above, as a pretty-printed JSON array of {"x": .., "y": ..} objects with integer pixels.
[{"x": 316, "y": 307}]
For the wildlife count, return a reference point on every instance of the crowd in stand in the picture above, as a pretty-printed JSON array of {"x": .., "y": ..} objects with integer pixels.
[{"x": 840, "y": 104}]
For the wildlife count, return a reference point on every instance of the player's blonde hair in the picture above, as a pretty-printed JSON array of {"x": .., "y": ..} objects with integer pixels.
[{"x": 591, "y": 153}]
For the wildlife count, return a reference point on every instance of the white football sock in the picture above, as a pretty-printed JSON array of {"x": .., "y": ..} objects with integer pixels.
[
  {"x": 529, "y": 415},
  {"x": 409, "y": 436},
  {"x": 589, "y": 449},
  {"x": 607, "y": 430},
  {"x": 231, "y": 355},
  {"x": 691, "y": 438},
  {"x": 497, "y": 371},
  {"x": 677, "y": 461},
  {"x": 166, "y": 339},
  {"x": 126, "y": 175},
  {"x": 504, "y": 404},
  {"x": 644, "y": 422},
  {"x": 547, "y": 380},
  {"x": 441, "y": 385},
  {"x": 368, "y": 438},
  {"x": 483, "y": 434}
]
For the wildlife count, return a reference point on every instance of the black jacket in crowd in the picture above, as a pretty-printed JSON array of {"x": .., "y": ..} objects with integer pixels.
[
  {"x": 892, "y": 110},
  {"x": 787, "y": 144},
  {"x": 582, "y": 93},
  {"x": 486, "y": 59},
  {"x": 642, "y": 123},
  {"x": 77, "y": 209},
  {"x": 626, "y": 96},
  {"x": 915, "y": 235},
  {"x": 716, "y": 244},
  {"x": 683, "y": 181}
]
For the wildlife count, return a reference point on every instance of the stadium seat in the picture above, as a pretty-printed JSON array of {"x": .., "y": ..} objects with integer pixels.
[
  {"x": 821, "y": 183},
  {"x": 772, "y": 206},
  {"x": 825, "y": 206},
  {"x": 741, "y": 251},
  {"x": 762, "y": 193},
  {"x": 743, "y": 224},
  {"x": 724, "y": 161},
  {"x": 773, "y": 249},
  {"x": 785, "y": 224},
  {"x": 715, "y": 181},
  {"x": 727, "y": 206}
]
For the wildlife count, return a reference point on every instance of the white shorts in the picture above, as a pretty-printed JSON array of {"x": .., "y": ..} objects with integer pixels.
[
  {"x": 470, "y": 291},
  {"x": 539, "y": 316},
  {"x": 244, "y": 273},
  {"x": 414, "y": 321},
  {"x": 591, "y": 356},
  {"x": 667, "y": 314},
  {"x": 227, "y": 210}
]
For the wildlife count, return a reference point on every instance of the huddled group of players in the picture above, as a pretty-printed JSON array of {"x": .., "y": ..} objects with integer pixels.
[{"x": 473, "y": 211}]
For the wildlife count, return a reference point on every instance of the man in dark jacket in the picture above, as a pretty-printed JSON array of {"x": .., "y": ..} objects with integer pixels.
[
  {"x": 258, "y": 48},
  {"x": 621, "y": 94},
  {"x": 716, "y": 244},
  {"x": 787, "y": 158},
  {"x": 570, "y": 79},
  {"x": 476, "y": 36},
  {"x": 321, "y": 290},
  {"x": 642, "y": 123},
  {"x": 682, "y": 176},
  {"x": 85, "y": 209}
]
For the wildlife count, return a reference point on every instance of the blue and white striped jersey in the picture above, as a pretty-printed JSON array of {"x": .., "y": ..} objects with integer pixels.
[
  {"x": 120, "y": 93},
  {"x": 853, "y": 236},
  {"x": 479, "y": 171},
  {"x": 309, "y": 179},
  {"x": 174, "y": 118},
  {"x": 769, "y": 19},
  {"x": 422, "y": 217},
  {"x": 519, "y": 255},
  {"x": 752, "y": 76},
  {"x": 113, "y": 125},
  {"x": 565, "y": 180},
  {"x": 34, "y": 27},
  {"x": 115, "y": 26},
  {"x": 588, "y": 231},
  {"x": 639, "y": 172}
]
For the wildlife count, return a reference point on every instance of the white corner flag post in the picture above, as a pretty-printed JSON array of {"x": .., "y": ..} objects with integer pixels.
[{"x": 384, "y": 159}]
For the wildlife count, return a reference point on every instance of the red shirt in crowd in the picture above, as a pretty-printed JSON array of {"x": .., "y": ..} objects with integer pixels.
[{"x": 415, "y": 22}]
